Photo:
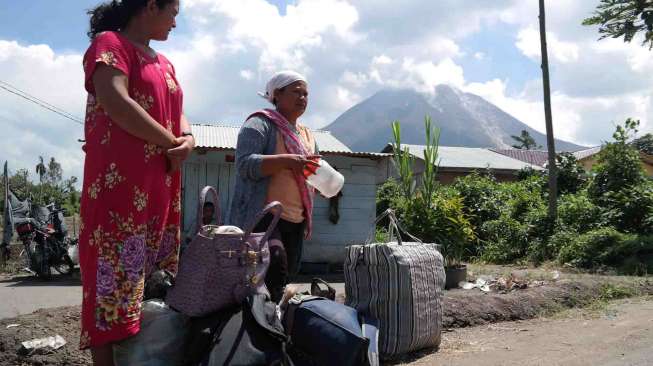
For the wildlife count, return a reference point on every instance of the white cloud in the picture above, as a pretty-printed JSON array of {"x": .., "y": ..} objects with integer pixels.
[
  {"x": 247, "y": 74},
  {"x": 585, "y": 120},
  {"x": 382, "y": 60},
  {"x": 349, "y": 50},
  {"x": 30, "y": 130},
  {"x": 528, "y": 41}
]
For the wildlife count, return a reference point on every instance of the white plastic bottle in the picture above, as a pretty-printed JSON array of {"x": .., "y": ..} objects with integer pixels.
[{"x": 325, "y": 179}]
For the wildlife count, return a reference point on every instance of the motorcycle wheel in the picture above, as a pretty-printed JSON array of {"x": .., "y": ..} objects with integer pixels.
[
  {"x": 39, "y": 261},
  {"x": 66, "y": 266}
]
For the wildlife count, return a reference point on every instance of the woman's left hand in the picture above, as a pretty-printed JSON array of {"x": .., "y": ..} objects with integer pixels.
[
  {"x": 179, "y": 153},
  {"x": 185, "y": 145}
]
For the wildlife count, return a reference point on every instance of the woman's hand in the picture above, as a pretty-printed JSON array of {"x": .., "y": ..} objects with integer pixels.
[
  {"x": 179, "y": 153},
  {"x": 273, "y": 164},
  {"x": 297, "y": 163}
]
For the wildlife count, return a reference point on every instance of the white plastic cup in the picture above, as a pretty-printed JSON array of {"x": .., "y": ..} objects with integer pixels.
[{"x": 326, "y": 179}]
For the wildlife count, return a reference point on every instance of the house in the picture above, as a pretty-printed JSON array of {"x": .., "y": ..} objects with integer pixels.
[
  {"x": 535, "y": 157},
  {"x": 212, "y": 163},
  {"x": 455, "y": 162},
  {"x": 587, "y": 158}
]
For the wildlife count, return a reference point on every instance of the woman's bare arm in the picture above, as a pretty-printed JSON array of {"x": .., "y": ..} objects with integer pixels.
[{"x": 112, "y": 92}]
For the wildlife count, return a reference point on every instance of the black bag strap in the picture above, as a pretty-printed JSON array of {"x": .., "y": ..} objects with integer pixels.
[
  {"x": 289, "y": 314},
  {"x": 317, "y": 291},
  {"x": 203, "y": 199},
  {"x": 276, "y": 208},
  {"x": 256, "y": 304}
]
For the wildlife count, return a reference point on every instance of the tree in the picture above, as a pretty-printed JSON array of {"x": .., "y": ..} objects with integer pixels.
[
  {"x": 54, "y": 172},
  {"x": 548, "y": 119},
  {"x": 624, "y": 18},
  {"x": 619, "y": 165},
  {"x": 41, "y": 169},
  {"x": 525, "y": 141},
  {"x": 571, "y": 176}
]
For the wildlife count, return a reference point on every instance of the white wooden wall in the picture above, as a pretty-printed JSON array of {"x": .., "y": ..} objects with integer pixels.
[
  {"x": 202, "y": 170},
  {"x": 357, "y": 205}
]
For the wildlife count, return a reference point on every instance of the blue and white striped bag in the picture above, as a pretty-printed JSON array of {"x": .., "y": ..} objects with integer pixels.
[{"x": 400, "y": 284}]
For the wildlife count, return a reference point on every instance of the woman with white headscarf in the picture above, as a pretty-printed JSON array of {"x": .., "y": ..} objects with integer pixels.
[{"x": 272, "y": 151}]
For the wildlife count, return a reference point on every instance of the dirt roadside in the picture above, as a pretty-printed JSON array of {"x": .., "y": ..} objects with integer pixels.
[
  {"x": 461, "y": 309},
  {"x": 620, "y": 334}
]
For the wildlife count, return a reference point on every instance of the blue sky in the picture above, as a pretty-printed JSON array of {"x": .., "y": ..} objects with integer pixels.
[{"x": 224, "y": 50}]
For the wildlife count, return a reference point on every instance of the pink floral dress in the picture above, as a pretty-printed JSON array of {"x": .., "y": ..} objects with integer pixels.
[{"x": 130, "y": 206}]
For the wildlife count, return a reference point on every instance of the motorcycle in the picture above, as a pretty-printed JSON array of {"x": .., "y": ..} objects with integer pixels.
[{"x": 44, "y": 235}]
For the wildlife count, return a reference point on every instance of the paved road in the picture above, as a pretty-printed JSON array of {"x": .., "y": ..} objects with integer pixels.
[
  {"x": 621, "y": 335},
  {"x": 24, "y": 295}
]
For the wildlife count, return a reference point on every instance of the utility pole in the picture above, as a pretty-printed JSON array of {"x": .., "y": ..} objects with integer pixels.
[{"x": 550, "y": 142}]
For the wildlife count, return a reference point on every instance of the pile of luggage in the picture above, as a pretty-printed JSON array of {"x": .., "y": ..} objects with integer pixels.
[{"x": 218, "y": 312}]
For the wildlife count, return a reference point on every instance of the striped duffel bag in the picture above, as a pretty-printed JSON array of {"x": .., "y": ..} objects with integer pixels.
[{"x": 401, "y": 285}]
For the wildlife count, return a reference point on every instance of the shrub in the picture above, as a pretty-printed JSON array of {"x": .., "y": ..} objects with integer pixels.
[
  {"x": 578, "y": 213},
  {"x": 630, "y": 209},
  {"x": 506, "y": 240},
  {"x": 600, "y": 247},
  {"x": 571, "y": 176},
  {"x": 619, "y": 164},
  {"x": 481, "y": 197},
  {"x": 444, "y": 222},
  {"x": 561, "y": 239},
  {"x": 387, "y": 196}
]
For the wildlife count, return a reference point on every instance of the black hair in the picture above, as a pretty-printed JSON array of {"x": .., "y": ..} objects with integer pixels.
[
  {"x": 113, "y": 15},
  {"x": 209, "y": 204}
]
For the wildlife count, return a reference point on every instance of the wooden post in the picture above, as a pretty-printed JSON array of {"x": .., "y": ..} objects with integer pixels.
[{"x": 550, "y": 142}]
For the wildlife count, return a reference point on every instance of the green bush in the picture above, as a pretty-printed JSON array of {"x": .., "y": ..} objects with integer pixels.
[
  {"x": 444, "y": 223},
  {"x": 619, "y": 164},
  {"x": 523, "y": 198},
  {"x": 561, "y": 239},
  {"x": 481, "y": 197},
  {"x": 571, "y": 176},
  {"x": 506, "y": 240},
  {"x": 630, "y": 209},
  {"x": 578, "y": 213},
  {"x": 387, "y": 196},
  {"x": 600, "y": 247}
]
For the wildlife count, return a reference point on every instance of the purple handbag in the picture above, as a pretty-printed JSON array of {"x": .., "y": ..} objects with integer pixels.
[{"x": 219, "y": 270}]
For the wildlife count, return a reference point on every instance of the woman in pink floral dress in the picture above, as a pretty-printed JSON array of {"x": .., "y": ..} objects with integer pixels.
[{"x": 136, "y": 140}]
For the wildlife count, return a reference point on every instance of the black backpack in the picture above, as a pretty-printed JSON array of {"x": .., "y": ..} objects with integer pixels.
[{"x": 247, "y": 335}]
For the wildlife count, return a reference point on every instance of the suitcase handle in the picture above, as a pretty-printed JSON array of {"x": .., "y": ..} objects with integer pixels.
[{"x": 393, "y": 227}]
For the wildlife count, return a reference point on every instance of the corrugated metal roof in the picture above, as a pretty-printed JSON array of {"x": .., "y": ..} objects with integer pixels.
[
  {"x": 470, "y": 158},
  {"x": 224, "y": 137},
  {"x": 216, "y": 137},
  {"x": 535, "y": 157},
  {"x": 582, "y": 154}
]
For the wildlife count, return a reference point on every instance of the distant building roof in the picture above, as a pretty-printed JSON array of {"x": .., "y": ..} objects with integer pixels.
[
  {"x": 469, "y": 158},
  {"x": 224, "y": 137},
  {"x": 582, "y": 154},
  {"x": 535, "y": 157}
]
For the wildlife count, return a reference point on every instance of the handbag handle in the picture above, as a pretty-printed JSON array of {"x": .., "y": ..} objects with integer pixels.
[
  {"x": 278, "y": 208},
  {"x": 317, "y": 291},
  {"x": 393, "y": 227},
  {"x": 203, "y": 199}
]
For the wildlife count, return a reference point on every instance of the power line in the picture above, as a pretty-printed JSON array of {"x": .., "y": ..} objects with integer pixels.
[{"x": 13, "y": 90}]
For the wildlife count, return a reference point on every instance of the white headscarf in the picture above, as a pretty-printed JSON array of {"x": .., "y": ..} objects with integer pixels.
[{"x": 280, "y": 80}]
